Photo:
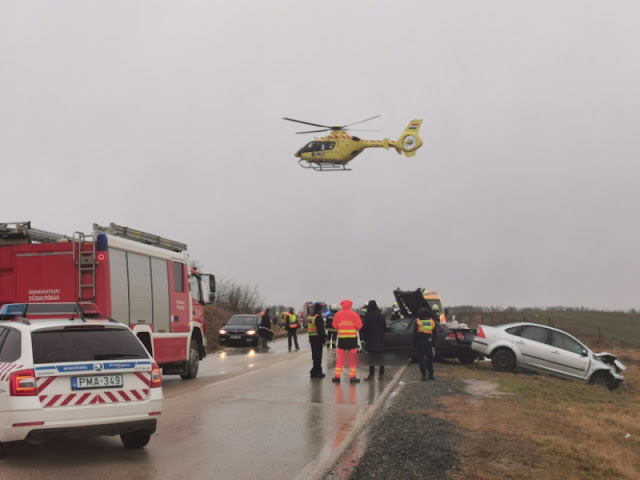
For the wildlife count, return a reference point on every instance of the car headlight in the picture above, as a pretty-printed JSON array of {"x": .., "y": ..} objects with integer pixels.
[
  {"x": 222, "y": 331},
  {"x": 251, "y": 332}
]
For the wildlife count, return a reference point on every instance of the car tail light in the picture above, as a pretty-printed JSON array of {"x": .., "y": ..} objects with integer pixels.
[
  {"x": 156, "y": 376},
  {"x": 454, "y": 335},
  {"x": 480, "y": 332},
  {"x": 23, "y": 384}
]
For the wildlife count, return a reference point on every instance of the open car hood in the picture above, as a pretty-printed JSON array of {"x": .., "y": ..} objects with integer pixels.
[{"x": 410, "y": 301}]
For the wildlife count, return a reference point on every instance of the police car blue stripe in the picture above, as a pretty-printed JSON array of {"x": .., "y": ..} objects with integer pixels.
[{"x": 90, "y": 367}]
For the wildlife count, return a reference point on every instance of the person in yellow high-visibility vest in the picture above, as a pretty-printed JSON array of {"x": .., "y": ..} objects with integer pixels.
[
  {"x": 347, "y": 323},
  {"x": 423, "y": 334},
  {"x": 292, "y": 329}
]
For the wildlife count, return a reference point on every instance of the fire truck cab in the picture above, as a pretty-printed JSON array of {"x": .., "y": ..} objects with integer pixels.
[{"x": 137, "y": 278}]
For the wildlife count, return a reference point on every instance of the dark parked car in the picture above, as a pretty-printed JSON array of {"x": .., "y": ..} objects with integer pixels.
[
  {"x": 449, "y": 342},
  {"x": 240, "y": 329}
]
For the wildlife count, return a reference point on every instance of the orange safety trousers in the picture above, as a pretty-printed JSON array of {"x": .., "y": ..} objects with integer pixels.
[{"x": 350, "y": 357}]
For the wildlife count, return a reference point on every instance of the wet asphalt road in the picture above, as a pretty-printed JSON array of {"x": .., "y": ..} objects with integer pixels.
[{"x": 249, "y": 414}]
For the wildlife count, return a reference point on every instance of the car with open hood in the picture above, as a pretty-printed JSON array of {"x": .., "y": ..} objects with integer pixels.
[
  {"x": 530, "y": 346},
  {"x": 448, "y": 342}
]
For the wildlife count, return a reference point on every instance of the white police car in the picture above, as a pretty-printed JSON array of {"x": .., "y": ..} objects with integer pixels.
[{"x": 68, "y": 371}]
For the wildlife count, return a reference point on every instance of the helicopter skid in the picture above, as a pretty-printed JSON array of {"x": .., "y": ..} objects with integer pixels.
[{"x": 324, "y": 167}]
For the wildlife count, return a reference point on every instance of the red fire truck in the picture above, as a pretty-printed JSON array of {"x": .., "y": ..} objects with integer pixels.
[{"x": 138, "y": 278}]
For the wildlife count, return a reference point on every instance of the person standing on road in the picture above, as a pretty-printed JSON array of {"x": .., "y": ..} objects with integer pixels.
[
  {"x": 332, "y": 333},
  {"x": 265, "y": 327},
  {"x": 423, "y": 332},
  {"x": 292, "y": 329},
  {"x": 347, "y": 323},
  {"x": 372, "y": 334},
  {"x": 317, "y": 337}
]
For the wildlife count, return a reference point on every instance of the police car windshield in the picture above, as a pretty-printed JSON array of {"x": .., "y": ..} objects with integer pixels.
[
  {"x": 86, "y": 344},
  {"x": 242, "y": 320}
]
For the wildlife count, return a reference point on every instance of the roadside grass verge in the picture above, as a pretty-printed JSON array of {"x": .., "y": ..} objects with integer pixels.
[{"x": 535, "y": 426}]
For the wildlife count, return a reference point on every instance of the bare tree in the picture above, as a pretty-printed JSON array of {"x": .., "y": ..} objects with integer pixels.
[{"x": 238, "y": 297}]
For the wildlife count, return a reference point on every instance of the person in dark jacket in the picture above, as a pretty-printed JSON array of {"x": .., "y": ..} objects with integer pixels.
[
  {"x": 265, "y": 325},
  {"x": 372, "y": 334},
  {"x": 424, "y": 330},
  {"x": 332, "y": 333},
  {"x": 317, "y": 337}
]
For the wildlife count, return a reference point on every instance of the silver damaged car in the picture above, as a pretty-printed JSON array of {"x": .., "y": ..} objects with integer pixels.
[{"x": 529, "y": 346}]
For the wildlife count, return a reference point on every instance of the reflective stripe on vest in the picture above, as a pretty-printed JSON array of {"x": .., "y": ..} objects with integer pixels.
[
  {"x": 311, "y": 326},
  {"x": 425, "y": 326},
  {"x": 349, "y": 332},
  {"x": 293, "y": 321}
]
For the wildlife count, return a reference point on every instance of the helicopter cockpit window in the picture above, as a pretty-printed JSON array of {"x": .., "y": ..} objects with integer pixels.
[
  {"x": 310, "y": 147},
  {"x": 316, "y": 146}
]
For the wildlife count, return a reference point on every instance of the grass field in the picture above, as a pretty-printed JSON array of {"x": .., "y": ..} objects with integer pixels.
[
  {"x": 588, "y": 326},
  {"x": 535, "y": 426}
]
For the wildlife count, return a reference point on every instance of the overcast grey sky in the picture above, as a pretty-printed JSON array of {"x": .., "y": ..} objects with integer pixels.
[{"x": 165, "y": 116}]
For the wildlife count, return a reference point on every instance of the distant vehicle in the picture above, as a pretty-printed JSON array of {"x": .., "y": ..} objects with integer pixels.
[
  {"x": 241, "y": 329},
  {"x": 337, "y": 149},
  {"x": 68, "y": 371},
  {"x": 530, "y": 346},
  {"x": 307, "y": 309},
  {"x": 433, "y": 298},
  {"x": 139, "y": 278},
  {"x": 448, "y": 342}
]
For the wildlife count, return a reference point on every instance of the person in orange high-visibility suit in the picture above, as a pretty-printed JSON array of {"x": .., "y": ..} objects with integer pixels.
[{"x": 347, "y": 323}]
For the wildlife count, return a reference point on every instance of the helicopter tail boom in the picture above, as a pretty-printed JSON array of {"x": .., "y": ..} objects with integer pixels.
[{"x": 409, "y": 141}]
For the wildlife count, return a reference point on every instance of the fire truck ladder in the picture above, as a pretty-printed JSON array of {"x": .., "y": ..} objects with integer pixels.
[
  {"x": 140, "y": 236},
  {"x": 21, "y": 232},
  {"x": 85, "y": 260}
]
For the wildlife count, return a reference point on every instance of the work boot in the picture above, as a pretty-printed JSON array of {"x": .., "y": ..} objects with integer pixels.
[
  {"x": 430, "y": 376},
  {"x": 297, "y": 348},
  {"x": 354, "y": 380},
  {"x": 335, "y": 379},
  {"x": 370, "y": 377}
]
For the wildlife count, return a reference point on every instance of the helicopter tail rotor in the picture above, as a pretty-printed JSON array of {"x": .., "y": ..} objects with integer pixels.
[{"x": 409, "y": 141}]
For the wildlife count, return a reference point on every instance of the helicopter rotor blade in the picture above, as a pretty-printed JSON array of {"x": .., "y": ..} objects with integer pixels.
[
  {"x": 316, "y": 131},
  {"x": 306, "y": 123},
  {"x": 361, "y": 121}
]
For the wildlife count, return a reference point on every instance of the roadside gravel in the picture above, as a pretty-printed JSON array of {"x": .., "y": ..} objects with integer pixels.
[{"x": 404, "y": 441}]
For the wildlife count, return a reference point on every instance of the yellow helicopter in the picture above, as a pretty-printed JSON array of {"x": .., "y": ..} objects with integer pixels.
[{"x": 337, "y": 149}]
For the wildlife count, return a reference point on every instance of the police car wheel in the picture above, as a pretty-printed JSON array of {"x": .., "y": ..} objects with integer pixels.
[{"x": 134, "y": 439}]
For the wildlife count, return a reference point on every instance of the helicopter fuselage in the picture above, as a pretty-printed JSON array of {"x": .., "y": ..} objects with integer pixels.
[{"x": 339, "y": 147}]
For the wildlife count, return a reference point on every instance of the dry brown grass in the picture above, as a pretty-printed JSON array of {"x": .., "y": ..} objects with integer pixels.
[{"x": 546, "y": 428}]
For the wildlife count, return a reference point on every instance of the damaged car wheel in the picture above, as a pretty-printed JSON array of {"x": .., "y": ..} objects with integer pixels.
[
  {"x": 604, "y": 379},
  {"x": 503, "y": 361}
]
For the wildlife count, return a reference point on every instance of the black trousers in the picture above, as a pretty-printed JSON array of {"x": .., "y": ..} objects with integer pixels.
[
  {"x": 316, "y": 355},
  {"x": 293, "y": 333},
  {"x": 424, "y": 353}
]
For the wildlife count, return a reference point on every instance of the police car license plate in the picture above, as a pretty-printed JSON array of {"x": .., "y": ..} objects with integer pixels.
[{"x": 101, "y": 381}]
